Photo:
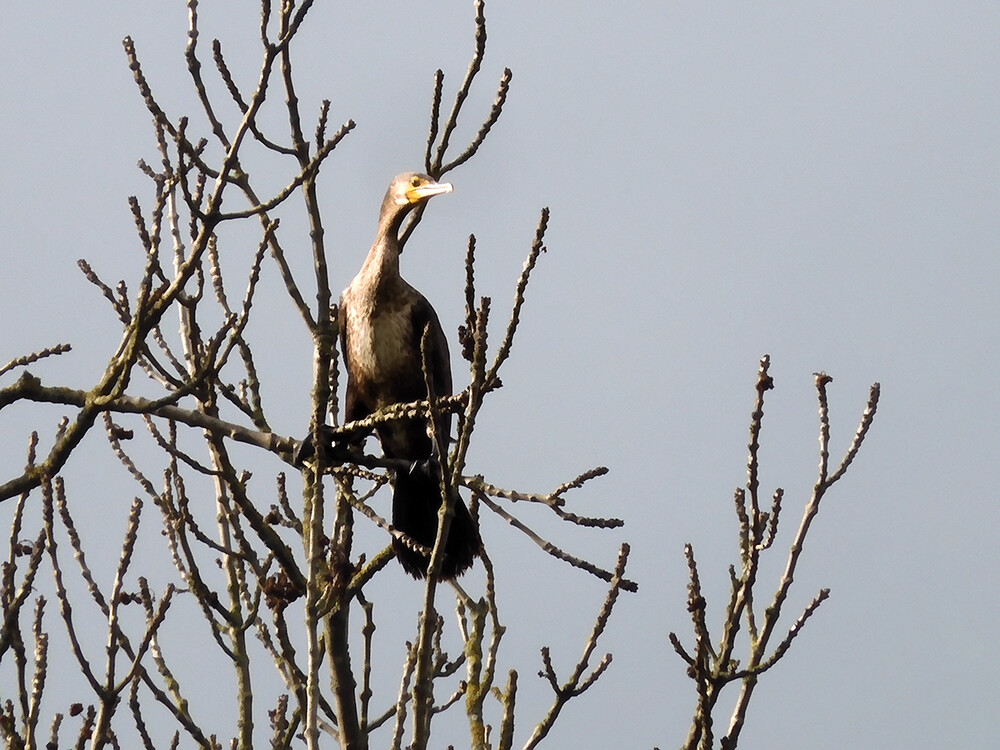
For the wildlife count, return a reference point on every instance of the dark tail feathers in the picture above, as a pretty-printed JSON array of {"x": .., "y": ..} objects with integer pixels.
[{"x": 416, "y": 498}]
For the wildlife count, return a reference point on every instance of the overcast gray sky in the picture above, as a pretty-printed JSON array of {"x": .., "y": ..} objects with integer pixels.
[{"x": 815, "y": 181}]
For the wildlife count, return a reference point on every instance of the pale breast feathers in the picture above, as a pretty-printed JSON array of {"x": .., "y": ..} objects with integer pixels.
[{"x": 378, "y": 342}]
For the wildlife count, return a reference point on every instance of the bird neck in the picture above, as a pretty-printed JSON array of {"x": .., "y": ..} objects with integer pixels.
[{"x": 382, "y": 264}]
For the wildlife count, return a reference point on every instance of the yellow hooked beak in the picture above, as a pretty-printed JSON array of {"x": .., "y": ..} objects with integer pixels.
[{"x": 424, "y": 190}]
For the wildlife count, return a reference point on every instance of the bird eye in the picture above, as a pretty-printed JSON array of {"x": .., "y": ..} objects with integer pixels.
[{"x": 415, "y": 181}]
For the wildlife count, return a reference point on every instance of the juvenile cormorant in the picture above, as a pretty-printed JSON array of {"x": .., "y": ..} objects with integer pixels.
[{"x": 382, "y": 320}]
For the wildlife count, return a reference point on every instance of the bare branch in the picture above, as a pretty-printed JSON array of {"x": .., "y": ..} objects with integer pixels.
[
  {"x": 577, "y": 684},
  {"x": 28, "y": 359},
  {"x": 551, "y": 549},
  {"x": 537, "y": 248}
]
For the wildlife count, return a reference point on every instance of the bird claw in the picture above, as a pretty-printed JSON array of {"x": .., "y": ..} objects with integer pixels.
[
  {"x": 324, "y": 436},
  {"x": 304, "y": 451}
]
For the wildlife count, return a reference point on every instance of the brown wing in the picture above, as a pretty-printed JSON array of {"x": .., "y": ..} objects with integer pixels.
[
  {"x": 440, "y": 362},
  {"x": 425, "y": 317},
  {"x": 410, "y": 438}
]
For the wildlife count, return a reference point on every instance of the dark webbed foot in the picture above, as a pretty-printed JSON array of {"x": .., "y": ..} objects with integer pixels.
[
  {"x": 336, "y": 449},
  {"x": 304, "y": 451}
]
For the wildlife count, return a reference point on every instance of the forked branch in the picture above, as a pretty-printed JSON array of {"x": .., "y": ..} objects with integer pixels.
[{"x": 711, "y": 666}]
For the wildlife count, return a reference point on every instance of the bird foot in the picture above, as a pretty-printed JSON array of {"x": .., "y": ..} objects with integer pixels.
[{"x": 324, "y": 436}]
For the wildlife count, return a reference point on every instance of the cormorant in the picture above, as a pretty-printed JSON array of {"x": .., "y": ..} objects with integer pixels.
[{"x": 382, "y": 321}]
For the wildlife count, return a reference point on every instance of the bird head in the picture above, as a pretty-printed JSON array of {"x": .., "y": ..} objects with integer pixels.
[{"x": 412, "y": 189}]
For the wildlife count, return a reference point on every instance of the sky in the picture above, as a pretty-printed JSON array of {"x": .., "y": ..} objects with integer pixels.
[{"x": 813, "y": 181}]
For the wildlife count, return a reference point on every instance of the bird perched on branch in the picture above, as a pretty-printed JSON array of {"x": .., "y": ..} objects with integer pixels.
[{"x": 382, "y": 321}]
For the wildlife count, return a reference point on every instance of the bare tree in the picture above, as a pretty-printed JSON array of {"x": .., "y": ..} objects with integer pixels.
[
  {"x": 281, "y": 589},
  {"x": 282, "y": 586}
]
